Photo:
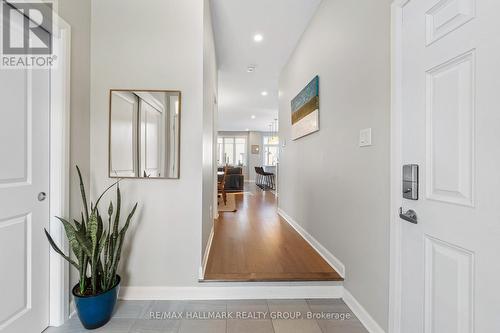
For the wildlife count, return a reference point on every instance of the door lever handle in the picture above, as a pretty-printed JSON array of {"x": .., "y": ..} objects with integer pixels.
[{"x": 409, "y": 216}]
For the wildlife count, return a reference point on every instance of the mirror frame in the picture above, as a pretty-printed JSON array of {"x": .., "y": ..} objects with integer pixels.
[{"x": 179, "y": 131}]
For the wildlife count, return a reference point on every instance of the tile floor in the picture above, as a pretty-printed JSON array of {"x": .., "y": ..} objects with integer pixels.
[{"x": 238, "y": 316}]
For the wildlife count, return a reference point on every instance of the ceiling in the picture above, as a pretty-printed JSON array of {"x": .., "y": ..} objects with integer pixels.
[{"x": 236, "y": 22}]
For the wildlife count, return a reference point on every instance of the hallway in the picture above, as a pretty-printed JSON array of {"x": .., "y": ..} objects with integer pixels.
[{"x": 256, "y": 244}]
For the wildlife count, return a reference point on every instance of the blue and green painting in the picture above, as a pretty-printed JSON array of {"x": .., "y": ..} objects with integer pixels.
[{"x": 305, "y": 110}]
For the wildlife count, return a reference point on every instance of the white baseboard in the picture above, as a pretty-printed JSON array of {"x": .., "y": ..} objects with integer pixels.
[
  {"x": 223, "y": 292},
  {"x": 370, "y": 324},
  {"x": 323, "y": 252},
  {"x": 207, "y": 253}
]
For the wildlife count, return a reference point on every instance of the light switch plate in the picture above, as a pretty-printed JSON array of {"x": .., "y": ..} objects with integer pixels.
[{"x": 365, "y": 137}]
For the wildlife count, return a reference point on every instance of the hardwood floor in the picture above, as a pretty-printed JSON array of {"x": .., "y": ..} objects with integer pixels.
[{"x": 255, "y": 244}]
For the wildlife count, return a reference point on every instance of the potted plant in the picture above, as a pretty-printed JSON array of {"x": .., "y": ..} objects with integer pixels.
[{"x": 97, "y": 250}]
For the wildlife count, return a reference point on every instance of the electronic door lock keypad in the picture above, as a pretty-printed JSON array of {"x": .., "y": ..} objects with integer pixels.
[{"x": 410, "y": 181}]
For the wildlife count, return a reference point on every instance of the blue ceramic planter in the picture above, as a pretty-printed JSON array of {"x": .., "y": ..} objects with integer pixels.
[{"x": 96, "y": 310}]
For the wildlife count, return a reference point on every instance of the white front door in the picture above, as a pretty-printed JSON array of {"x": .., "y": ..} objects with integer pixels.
[
  {"x": 24, "y": 213},
  {"x": 451, "y": 129}
]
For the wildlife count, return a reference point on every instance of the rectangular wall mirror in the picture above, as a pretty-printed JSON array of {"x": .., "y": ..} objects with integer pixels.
[{"x": 144, "y": 133}]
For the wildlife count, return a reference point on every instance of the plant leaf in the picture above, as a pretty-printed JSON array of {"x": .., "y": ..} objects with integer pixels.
[
  {"x": 119, "y": 244},
  {"x": 58, "y": 250},
  {"x": 78, "y": 225},
  {"x": 129, "y": 218},
  {"x": 100, "y": 225},
  {"x": 84, "y": 224},
  {"x": 118, "y": 208},
  {"x": 106, "y": 190},
  {"x": 92, "y": 232},
  {"x": 82, "y": 191},
  {"x": 71, "y": 234}
]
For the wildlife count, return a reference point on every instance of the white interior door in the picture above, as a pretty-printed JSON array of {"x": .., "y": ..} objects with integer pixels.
[
  {"x": 24, "y": 174},
  {"x": 124, "y": 161},
  {"x": 152, "y": 136},
  {"x": 450, "y": 128}
]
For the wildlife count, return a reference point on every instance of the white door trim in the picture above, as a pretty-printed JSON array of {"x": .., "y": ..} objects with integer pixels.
[
  {"x": 395, "y": 227},
  {"x": 59, "y": 171}
]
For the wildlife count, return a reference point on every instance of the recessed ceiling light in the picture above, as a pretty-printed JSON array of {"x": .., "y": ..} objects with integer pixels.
[
  {"x": 258, "y": 38},
  {"x": 264, "y": 93},
  {"x": 251, "y": 69},
  {"x": 253, "y": 116}
]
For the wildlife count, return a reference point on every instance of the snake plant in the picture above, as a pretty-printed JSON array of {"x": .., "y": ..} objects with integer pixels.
[{"x": 97, "y": 248}]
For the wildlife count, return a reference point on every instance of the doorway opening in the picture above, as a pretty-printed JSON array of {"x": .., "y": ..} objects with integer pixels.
[{"x": 250, "y": 240}]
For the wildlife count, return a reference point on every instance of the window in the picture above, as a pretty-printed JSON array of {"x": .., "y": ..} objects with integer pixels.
[
  {"x": 240, "y": 150},
  {"x": 232, "y": 150},
  {"x": 229, "y": 151},
  {"x": 271, "y": 150}
]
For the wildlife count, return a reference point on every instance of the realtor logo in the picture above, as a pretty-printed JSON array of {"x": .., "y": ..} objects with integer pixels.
[{"x": 27, "y": 28}]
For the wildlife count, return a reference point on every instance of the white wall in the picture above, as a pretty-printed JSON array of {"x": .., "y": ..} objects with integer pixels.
[
  {"x": 77, "y": 14},
  {"x": 209, "y": 125},
  {"x": 336, "y": 190},
  {"x": 156, "y": 44}
]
